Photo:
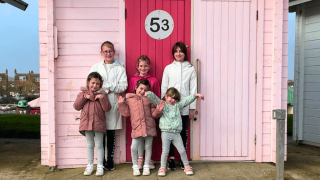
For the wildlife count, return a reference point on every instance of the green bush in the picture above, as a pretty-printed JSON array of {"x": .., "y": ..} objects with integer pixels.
[
  {"x": 19, "y": 126},
  {"x": 289, "y": 124}
]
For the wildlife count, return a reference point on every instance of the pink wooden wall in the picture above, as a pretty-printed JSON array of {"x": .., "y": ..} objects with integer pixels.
[{"x": 82, "y": 25}]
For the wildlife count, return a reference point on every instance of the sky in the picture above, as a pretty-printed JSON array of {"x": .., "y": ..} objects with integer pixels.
[{"x": 19, "y": 39}]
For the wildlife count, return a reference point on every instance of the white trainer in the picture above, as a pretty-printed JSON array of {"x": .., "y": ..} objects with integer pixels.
[
  {"x": 136, "y": 171},
  {"x": 100, "y": 170},
  {"x": 88, "y": 170},
  {"x": 146, "y": 170}
]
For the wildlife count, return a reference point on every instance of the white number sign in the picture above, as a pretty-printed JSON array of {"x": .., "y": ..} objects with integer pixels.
[{"x": 159, "y": 24}]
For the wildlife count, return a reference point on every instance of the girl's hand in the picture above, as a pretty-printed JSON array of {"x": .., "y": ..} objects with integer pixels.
[
  {"x": 87, "y": 96},
  {"x": 97, "y": 97},
  {"x": 120, "y": 99},
  {"x": 160, "y": 106},
  {"x": 201, "y": 96},
  {"x": 146, "y": 93}
]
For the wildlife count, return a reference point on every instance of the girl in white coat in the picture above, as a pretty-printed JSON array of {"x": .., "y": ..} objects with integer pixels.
[
  {"x": 114, "y": 82},
  {"x": 181, "y": 75}
]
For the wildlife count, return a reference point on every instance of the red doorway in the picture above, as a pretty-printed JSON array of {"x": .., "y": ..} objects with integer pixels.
[{"x": 138, "y": 43}]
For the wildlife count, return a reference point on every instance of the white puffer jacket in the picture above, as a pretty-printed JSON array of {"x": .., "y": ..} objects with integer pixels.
[
  {"x": 115, "y": 80},
  {"x": 182, "y": 76}
]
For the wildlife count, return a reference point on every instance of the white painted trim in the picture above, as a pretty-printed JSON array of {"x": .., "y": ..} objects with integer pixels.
[
  {"x": 302, "y": 27},
  {"x": 297, "y": 2}
]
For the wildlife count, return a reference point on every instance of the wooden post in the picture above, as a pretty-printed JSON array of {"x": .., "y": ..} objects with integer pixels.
[{"x": 280, "y": 115}]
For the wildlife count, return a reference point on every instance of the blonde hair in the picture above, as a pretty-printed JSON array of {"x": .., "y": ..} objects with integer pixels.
[
  {"x": 108, "y": 44},
  {"x": 142, "y": 58}
]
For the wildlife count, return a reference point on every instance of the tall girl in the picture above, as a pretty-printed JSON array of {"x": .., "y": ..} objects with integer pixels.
[
  {"x": 142, "y": 113},
  {"x": 181, "y": 75},
  {"x": 143, "y": 67},
  {"x": 114, "y": 82},
  {"x": 93, "y": 105}
]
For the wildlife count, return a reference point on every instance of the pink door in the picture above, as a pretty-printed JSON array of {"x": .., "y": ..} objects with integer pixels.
[
  {"x": 138, "y": 43},
  {"x": 227, "y": 76}
]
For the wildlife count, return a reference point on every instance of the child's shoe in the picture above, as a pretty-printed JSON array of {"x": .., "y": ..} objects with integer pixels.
[
  {"x": 181, "y": 165},
  {"x": 171, "y": 164},
  {"x": 162, "y": 171},
  {"x": 100, "y": 170},
  {"x": 140, "y": 163},
  {"x": 136, "y": 171},
  {"x": 151, "y": 164},
  {"x": 88, "y": 170},
  {"x": 146, "y": 170},
  {"x": 110, "y": 165},
  {"x": 188, "y": 170}
]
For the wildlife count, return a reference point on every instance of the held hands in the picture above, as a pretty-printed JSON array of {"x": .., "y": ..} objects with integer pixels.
[
  {"x": 97, "y": 97},
  {"x": 87, "y": 96},
  {"x": 160, "y": 106},
  {"x": 201, "y": 96},
  {"x": 120, "y": 99},
  {"x": 146, "y": 94}
]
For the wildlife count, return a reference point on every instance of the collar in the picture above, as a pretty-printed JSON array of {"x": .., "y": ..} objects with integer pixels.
[{"x": 142, "y": 77}]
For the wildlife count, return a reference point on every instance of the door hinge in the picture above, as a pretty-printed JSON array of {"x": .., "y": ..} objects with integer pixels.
[
  {"x": 125, "y": 13},
  {"x": 255, "y": 139},
  {"x": 255, "y": 78},
  {"x": 257, "y": 15}
]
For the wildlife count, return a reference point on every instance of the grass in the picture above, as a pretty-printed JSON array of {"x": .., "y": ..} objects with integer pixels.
[
  {"x": 19, "y": 126},
  {"x": 289, "y": 124}
]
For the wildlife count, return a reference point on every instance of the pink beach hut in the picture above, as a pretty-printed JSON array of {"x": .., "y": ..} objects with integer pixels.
[{"x": 238, "y": 47}]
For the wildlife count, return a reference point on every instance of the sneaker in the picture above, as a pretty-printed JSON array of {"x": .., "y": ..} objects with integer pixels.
[
  {"x": 162, "y": 171},
  {"x": 100, "y": 170},
  {"x": 151, "y": 165},
  {"x": 188, "y": 170},
  {"x": 110, "y": 165},
  {"x": 136, "y": 171},
  {"x": 181, "y": 165},
  {"x": 146, "y": 170},
  {"x": 88, "y": 170},
  {"x": 140, "y": 163},
  {"x": 172, "y": 164}
]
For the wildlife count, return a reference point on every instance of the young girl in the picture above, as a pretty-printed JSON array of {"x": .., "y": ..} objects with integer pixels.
[
  {"x": 171, "y": 125},
  {"x": 114, "y": 82},
  {"x": 93, "y": 105},
  {"x": 142, "y": 113},
  {"x": 181, "y": 75},
  {"x": 143, "y": 67}
]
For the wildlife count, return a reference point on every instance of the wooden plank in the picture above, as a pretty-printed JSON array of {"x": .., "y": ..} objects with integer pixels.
[
  {"x": 87, "y": 4},
  {"x": 78, "y": 61},
  {"x": 238, "y": 80},
  {"x": 68, "y": 130},
  {"x": 312, "y": 53},
  {"x": 267, "y": 61},
  {"x": 42, "y": 25},
  {"x": 76, "y": 73},
  {"x": 44, "y": 119},
  {"x": 87, "y": 13},
  {"x": 67, "y": 95},
  {"x": 312, "y": 11},
  {"x": 267, "y": 49},
  {"x": 43, "y": 83},
  {"x": 268, "y": 26},
  {"x": 65, "y": 107},
  {"x": 312, "y": 70},
  {"x": 314, "y": 121},
  {"x": 312, "y": 36},
  {"x": 315, "y": 44},
  {"x": 217, "y": 78},
  {"x": 42, "y": 13},
  {"x": 266, "y": 128},
  {"x": 312, "y": 96},
  {"x": 207, "y": 145},
  {"x": 70, "y": 84},
  {"x": 313, "y": 19},
  {"x": 266, "y": 95},
  {"x": 87, "y": 25},
  {"x": 43, "y": 62},
  {"x": 312, "y": 137},
  {"x": 311, "y": 112},
  {"x": 87, "y": 37},
  {"x": 312, "y": 103},
  {"x": 312, "y": 27},
  {"x": 231, "y": 78},
  {"x": 68, "y": 118},
  {"x": 269, "y": 4},
  {"x": 268, "y": 14},
  {"x": 81, "y": 49},
  {"x": 267, "y": 37},
  {"x": 311, "y": 87}
]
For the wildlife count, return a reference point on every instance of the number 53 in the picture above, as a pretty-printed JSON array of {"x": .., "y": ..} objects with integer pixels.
[{"x": 164, "y": 23}]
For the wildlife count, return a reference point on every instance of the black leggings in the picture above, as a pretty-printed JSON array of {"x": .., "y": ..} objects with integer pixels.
[
  {"x": 184, "y": 135},
  {"x": 111, "y": 141}
]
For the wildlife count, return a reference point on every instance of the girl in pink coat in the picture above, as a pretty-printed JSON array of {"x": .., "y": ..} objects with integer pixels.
[{"x": 143, "y": 67}]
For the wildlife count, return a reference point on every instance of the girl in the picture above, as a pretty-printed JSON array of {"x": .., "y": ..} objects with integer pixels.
[
  {"x": 143, "y": 67},
  {"x": 171, "y": 125},
  {"x": 93, "y": 105},
  {"x": 181, "y": 75},
  {"x": 142, "y": 113},
  {"x": 114, "y": 82}
]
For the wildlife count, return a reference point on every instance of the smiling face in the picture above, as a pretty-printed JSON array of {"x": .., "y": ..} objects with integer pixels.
[
  {"x": 141, "y": 90},
  {"x": 108, "y": 54},
  {"x": 179, "y": 55},
  {"x": 143, "y": 68},
  {"x": 93, "y": 84},
  {"x": 170, "y": 100}
]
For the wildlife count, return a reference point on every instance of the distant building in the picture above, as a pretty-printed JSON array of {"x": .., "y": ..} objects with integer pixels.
[
  {"x": 25, "y": 83},
  {"x": 4, "y": 83}
]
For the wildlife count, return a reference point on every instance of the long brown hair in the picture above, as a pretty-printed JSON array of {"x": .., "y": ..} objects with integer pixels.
[{"x": 142, "y": 58}]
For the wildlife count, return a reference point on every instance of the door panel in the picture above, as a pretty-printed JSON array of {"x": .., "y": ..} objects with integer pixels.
[{"x": 138, "y": 43}]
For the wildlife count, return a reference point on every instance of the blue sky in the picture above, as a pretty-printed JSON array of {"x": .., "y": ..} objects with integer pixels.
[{"x": 19, "y": 39}]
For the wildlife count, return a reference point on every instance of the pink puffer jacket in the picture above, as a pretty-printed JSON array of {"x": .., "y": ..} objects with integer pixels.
[
  {"x": 142, "y": 113},
  {"x": 93, "y": 116}
]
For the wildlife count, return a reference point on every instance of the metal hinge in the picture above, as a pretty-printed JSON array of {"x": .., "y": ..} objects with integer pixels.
[
  {"x": 257, "y": 15},
  {"x": 125, "y": 13},
  {"x": 255, "y": 139},
  {"x": 255, "y": 78}
]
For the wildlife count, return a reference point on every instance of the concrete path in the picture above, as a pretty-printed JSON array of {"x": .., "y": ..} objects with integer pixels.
[{"x": 20, "y": 159}]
